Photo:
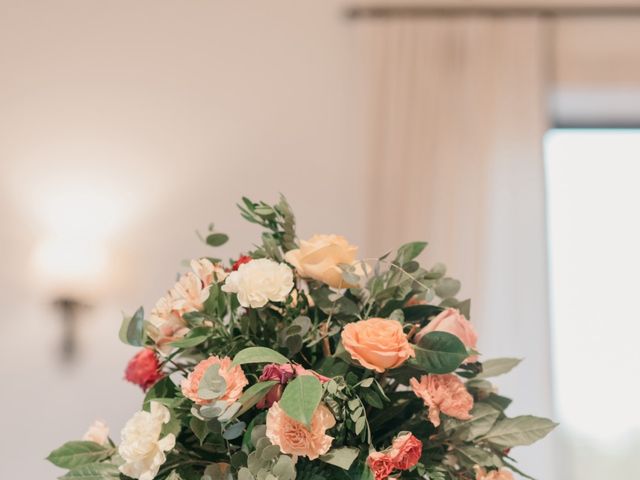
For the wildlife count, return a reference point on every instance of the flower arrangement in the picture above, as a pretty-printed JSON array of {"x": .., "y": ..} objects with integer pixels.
[{"x": 302, "y": 361}]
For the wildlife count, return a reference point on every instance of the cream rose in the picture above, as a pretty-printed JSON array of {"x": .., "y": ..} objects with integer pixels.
[
  {"x": 294, "y": 438},
  {"x": 142, "y": 448},
  {"x": 259, "y": 282},
  {"x": 453, "y": 322},
  {"x": 98, "y": 433},
  {"x": 319, "y": 257},
  {"x": 377, "y": 343}
]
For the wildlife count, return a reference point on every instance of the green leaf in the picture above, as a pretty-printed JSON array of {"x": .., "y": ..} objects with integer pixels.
[
  {"x": 254, "y": 394},
  {"x": 93, "y": 471},
  {"x": 523, "y": 430},
  {"x": 301, "y": 398},
  {"x": 415, "y": 313},
  {"x": 164, "y": 388},
  {"x": 217, "y": 239},
  {"x": 477, "y": 456},
  {"x": 439, "y": 352},
  {"x": 132, "y": 329},
  {"x": 75, "y": 454},
  {"x": 408, "y": 252},
  {"x": 371, "y": 397},
  {"x": 199, "y": 429},
  {"x": 195, "y": 337},
  {"x": 498, "y": 366},
  {"x": 483, "y": 417},
  {"x": 498, "y": 401},
  {"x": 259, "y": 355},
  {"x": 341, "y": 457}
]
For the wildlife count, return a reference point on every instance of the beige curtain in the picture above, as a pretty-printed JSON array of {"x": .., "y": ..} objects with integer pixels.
[{"x": 456, "y": 114}]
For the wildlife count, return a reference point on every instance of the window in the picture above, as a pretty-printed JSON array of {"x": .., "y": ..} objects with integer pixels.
[{"x": 593, "y": 202}]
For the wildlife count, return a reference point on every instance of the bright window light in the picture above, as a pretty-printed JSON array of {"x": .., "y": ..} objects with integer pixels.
[{"x": 593, "y": 200}]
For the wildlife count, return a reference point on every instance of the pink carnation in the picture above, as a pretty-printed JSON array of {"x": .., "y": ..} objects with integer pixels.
[
  {"x": 443, "y": 393},
  {"x": 294, "y": 438},
  {"x": 232, "y": 375},
  {"x": 144, "y": 369}
]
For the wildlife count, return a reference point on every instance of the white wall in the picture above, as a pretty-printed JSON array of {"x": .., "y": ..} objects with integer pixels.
[{"x": 171, "y": 110}]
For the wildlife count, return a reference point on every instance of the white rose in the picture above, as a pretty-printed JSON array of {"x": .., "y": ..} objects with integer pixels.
[
  {"x": 259, "y": 282},
  {"x": 98, "y": 432},
  {"x": 142, "y": 448}
]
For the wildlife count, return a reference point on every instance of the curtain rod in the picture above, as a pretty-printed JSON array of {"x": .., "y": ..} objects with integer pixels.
[{"x": 381, "y": 11}]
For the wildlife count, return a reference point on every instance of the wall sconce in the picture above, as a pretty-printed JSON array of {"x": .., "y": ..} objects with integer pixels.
[{"x": 74, "y": 272}]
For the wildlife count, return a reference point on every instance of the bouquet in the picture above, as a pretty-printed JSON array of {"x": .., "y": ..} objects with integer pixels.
[{"x": 299, "y": 360}]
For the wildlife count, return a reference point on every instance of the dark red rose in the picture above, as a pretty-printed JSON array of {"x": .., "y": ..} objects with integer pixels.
[{"x": 144, "y": 369}]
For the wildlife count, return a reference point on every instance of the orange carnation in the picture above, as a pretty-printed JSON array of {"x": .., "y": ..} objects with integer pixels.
[
  {"x": 443, "y": 393},
  {"x": 232, "y": 375},
  {"x": 377, "y": 343},
  {"x": 294, "y": 438}
]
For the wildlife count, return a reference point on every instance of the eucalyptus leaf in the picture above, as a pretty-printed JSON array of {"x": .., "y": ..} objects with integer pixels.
[
  {"x": 212, "y": 385},
  {"x": 234, "y": 430},
  {"x": 447, "y": 287}
]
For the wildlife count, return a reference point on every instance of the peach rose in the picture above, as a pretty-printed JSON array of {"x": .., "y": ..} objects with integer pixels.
[
  {"x": 443, "y": 393},
  {"x": 500, "y": 474},
  {"x": 453, "y": 322},
  {"x": 232, "y": 375},
  {"x": 294, "y": 438},
  {"x": 377, "y": 343},
  {"x": 381, "y": 464},
  {"x": 319, "y": 257},
  {"x": 406, "y": 451}
]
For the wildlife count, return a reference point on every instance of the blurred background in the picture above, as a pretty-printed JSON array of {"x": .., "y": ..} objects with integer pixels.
[{"x": 505, "y": 132}]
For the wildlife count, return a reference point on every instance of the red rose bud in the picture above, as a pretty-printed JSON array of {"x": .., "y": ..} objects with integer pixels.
[
  {"x": 243, "y": 259},
  {"x": 144, "y": 369}
]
